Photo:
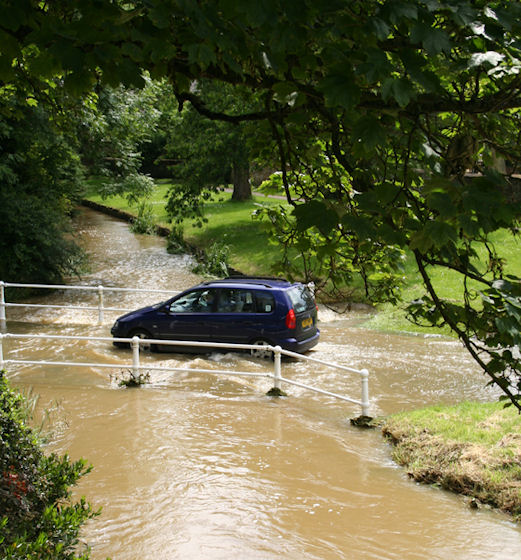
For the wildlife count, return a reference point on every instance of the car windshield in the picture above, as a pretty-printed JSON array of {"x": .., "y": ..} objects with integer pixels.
[{"x": 301, "y": 298}]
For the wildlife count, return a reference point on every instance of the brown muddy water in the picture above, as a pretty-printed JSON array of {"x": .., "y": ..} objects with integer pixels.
[{"x": 200, "y": 466}]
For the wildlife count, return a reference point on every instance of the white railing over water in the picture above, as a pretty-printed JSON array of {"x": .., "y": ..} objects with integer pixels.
[
  {"x": 136, "y": 367},
  {"x": 99, "y": 290}
]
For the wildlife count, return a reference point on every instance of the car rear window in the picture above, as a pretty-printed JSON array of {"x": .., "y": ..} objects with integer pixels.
[
  {"x": 301, "y": 298},
  {"x": 264, "y": 302}
]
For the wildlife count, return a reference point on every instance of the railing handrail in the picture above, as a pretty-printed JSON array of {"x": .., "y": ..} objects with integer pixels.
[
  {"x": 136, "y": 366},
  {"x": 84, "y": 287},
  {"x": 99, "y": 289}
]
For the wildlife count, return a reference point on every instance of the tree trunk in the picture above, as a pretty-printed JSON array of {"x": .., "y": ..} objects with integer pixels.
[{"x": 241, "y": 182}]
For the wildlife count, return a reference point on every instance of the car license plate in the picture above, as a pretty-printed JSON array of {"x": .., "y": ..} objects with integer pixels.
[{"x": 306, "y": 323}]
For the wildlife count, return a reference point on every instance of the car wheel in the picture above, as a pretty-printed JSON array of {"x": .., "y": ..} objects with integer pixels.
[
  {"x": 143, "y": 334},
  {"x": 262, "y": 352}
]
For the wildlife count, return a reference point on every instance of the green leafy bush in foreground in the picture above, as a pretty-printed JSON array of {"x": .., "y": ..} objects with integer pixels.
[{"x": 37, "y": 518}]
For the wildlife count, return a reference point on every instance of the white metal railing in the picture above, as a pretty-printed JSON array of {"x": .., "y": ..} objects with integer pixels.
[
  {"x": 100, "y": 290},
  {"x": 136, "y": 365}
]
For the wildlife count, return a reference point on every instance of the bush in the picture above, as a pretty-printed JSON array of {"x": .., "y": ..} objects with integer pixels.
[
  {"x": 176, "y": 245},
  {"x": 144, "y": 222},
  {"x": 215, "y": 261},
  {"x": 38, "y": 520}
]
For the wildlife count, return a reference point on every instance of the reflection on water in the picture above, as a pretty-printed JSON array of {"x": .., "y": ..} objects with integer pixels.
[{"x": 202, "y": 466}]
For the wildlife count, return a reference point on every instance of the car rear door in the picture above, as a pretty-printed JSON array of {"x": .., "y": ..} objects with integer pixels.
[
  {"x": 304, "y": 307},
  {"x": 234, "y": 318}
]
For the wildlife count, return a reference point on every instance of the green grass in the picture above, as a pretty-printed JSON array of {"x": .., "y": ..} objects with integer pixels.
[
  {"x": 231, "y": 223},
  {"x": 447, "y": 282},
  {"x": 470, "y": 448},
  {"x": 468, "y": 422}
]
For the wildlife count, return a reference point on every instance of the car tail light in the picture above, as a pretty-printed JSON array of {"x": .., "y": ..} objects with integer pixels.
[{"x": 291, "y": 320}]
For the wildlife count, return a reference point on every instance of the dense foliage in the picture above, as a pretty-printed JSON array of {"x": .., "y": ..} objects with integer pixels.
[
  {"x": 39, "y": 177},
  {"x": 37, "y": 517},
  {"x": 118, "y": 125},
  {"x": 376, "y": 109}
]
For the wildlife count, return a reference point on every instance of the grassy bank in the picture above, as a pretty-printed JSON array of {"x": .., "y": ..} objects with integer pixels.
[
  {"x": 229, "y": 222},
  {"x": 472, "y": 449}
]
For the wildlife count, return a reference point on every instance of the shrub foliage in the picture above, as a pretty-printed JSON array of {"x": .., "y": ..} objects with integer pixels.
[{"x": 37, "y": 517}]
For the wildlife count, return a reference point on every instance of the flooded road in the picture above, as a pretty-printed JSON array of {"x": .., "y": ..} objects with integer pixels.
[{"x": 197, "y": 466}]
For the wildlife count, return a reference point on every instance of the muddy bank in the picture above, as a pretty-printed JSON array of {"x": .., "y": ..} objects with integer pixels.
[{"x": 485, "y": 467}]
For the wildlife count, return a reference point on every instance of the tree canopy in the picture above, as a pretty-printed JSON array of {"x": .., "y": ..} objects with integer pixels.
[
  {"x": 376, "y": 109},
  {"x": 208, "y": 153}
]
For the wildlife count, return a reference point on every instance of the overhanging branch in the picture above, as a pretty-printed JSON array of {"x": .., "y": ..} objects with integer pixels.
[{"x": 200, "y": 106}]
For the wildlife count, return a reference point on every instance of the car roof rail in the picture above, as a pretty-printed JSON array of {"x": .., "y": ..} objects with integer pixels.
[
  {"x": 260, "y": 280},
  {"x": 246, "y": 277}
]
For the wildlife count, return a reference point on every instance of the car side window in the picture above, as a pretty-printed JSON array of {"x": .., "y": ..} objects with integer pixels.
[
  {"x": 235, "y": 301},
  {"x": 265, "y": 302},
  {"x": 198, "y": 301}
]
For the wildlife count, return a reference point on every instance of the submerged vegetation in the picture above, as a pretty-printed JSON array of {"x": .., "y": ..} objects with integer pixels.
[{"x": 472, "y": 449}]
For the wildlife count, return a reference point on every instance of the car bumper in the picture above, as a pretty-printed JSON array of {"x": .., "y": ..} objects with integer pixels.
[{"x": 300, "y": 346}]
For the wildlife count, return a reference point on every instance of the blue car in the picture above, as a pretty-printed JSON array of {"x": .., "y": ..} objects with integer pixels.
[{"x": 239, "y": 310}]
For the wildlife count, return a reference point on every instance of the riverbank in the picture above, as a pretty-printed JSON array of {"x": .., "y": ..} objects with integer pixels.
[
  {"x": 228, "y": 223},
  {"x": 473, "y": 449}
]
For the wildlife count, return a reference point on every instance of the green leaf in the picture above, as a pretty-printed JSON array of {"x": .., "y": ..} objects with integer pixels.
[
  {"x": 315, "y": 214},
  {"x": 44, "y": 64},
  {"x": 285, "y": 92},
  {"x": 340, "y": 90},
  {"x": 201, "y": 54},
  {"x": 433, "y": 39},
  {"x": 434, "y": 234},
  {"x": 416, "y": 66},
  {"x": 380, "y": 28},
  {"x": 376, "y": 67},
  {"x": 361, "y": 225},
  {"x": 369, "y": 132},
  {"x": 160, "y": 15},
  {"x": 442, "y": 203},
  {"x": 15, "y": 15},
  {"x": 6, "y": 70},
  {"x": 400, "y": 89},
  {"x": 403, "y": 10},
  {"x": 78, "y": 83}
]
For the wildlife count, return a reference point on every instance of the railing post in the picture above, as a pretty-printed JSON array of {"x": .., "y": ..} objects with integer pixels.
[
  {"x": 1, "y": 351},
  {"x": 2, "y": 305},
  {"x": 364, "y": 374},
  {"x": 277, "y": 367},
  {"x": 100, "y": 305},
  {"x": 135, "y": 357}
]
